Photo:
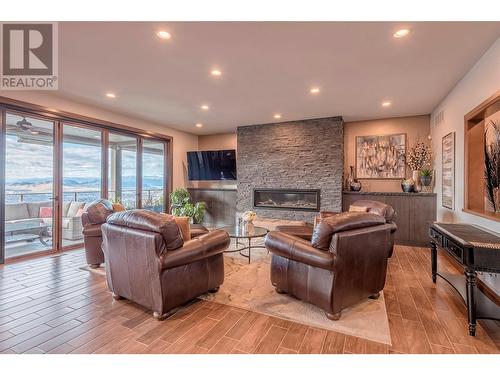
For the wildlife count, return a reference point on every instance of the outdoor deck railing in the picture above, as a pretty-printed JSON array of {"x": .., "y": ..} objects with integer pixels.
[{"x": 151, "y": 198}]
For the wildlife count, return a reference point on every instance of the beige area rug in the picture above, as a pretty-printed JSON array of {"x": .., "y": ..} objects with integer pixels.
[{"x": 248, "y": 286}]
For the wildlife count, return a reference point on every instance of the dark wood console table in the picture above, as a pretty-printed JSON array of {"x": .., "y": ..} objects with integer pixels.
[{"x": 476, "y": 250}]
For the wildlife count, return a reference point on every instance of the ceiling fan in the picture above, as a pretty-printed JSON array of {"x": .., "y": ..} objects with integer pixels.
[{"x": 26, "y": 127}]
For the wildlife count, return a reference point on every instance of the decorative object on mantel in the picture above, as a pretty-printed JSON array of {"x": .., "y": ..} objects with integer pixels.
[
  {"x": 380, "y": 156},
  {"x": 492, "y": 163},
  {"x": 418, "y": 157},
  {"x": 355, "y": 185},
  {"x": 352, "y": 183},
  {"x": 426, "y": 176},
  {"x": 448, "y": 171},
  {"x": 407, "y": 185}
]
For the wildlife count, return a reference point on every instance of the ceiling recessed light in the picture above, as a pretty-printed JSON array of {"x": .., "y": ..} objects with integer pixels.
[
  {"x": 162, "y": 34},
  {"x": 386, "y": 104},
  {"x": 216, "y": 72},
  {"x": 198, "y": 125},
  {"x": 314, "y": 90},
  {"x": 401, "y": 33},
  {"x": 111, "y": 95},
  {"x": 277, "y": 115},
  {"x": 204, "y": 107}
]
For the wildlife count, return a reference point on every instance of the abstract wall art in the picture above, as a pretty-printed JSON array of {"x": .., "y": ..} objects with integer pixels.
[{"x": 381, "y": 156}]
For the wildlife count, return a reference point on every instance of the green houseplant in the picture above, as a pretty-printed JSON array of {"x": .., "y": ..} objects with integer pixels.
[
  {"x": 426, "y": 177},
  {"x": 181, "y": 205}
]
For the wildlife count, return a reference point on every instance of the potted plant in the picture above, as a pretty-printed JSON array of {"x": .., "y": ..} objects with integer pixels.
[
  {"x": 426, "y": 177},
  {"x": 181, "y": 205}
]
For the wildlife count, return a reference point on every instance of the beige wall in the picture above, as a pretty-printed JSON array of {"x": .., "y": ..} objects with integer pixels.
[
  {"x": 481, "y": 82},
  {"x": 212, "y": 142},
  {"x": 182, "y": 142},
  {"x": 416, "y": 128}
]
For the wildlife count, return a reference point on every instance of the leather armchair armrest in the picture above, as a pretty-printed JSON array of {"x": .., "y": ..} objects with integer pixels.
[
  {"x": 92, "y": 230},
  {"x": 85, "y": 219},
  {"x": 298, "y": 249},
  {"x": 197, "y": 230},
  {"x": 201, "y": 247},
  {"x": 394, "y": 227}
]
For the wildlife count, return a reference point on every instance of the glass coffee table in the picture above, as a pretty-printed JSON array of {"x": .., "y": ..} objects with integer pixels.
[{"x": 242, "y": 233}]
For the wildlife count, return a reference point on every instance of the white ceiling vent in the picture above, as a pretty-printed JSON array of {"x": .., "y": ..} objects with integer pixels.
[{"x": 438, "y": 118}]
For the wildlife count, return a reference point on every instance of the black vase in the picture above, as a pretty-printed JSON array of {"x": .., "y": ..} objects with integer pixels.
[{"x": 355, "y": 185}]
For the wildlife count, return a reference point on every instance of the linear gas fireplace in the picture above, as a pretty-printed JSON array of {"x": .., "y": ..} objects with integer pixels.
[{"x": 287, "y": 199}]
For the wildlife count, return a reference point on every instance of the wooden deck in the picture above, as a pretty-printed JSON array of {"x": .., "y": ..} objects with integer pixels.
[{"x": 49, "y": 305}]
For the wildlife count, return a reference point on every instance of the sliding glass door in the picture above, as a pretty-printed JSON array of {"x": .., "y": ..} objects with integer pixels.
[
  {"x": 82, "y": 178},
  {"x": 153, "y": 175},
  {"x": 122, "y": 170},
  {"x": 29, "y": 204},
  {"x": 51, "y": 167}
]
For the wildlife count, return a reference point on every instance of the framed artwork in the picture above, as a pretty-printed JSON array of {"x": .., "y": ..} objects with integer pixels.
[
  {"x": 448, "y": 171},
  {"x": 381, "y": 156}
]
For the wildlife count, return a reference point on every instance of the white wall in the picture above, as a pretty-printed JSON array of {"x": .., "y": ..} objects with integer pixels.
[
  {"x": 182, "y": 141},
  {"x": 481, "y": 82}
]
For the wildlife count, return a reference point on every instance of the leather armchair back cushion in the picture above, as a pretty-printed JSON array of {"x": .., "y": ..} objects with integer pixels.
[
  {"x": 118, "y": 207},
  {"x": 150, "y": 221},
  {"x": 98, "y": 211},
  {"x": 322, "y": 235}
]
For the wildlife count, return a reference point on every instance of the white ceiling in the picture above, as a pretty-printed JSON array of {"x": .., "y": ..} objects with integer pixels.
[{"x": 267, "y": 68}]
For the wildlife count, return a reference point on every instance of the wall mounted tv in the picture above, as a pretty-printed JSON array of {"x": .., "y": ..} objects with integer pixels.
[{"x": 212, "y": 165}]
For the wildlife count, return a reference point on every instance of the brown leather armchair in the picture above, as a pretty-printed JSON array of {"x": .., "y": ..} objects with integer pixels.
[
  {"x": 94, "y": 216},
  {"x": 344, "y": 263},
  {"x": 148, "y": 262},
  {"x": 379, "y": 208}
]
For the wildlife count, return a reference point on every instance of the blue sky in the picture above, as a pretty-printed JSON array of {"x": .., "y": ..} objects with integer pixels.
[{"x": 25, "y": 160}]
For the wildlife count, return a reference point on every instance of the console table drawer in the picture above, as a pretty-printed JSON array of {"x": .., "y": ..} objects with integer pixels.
[
  {"x": 455, "y": 250},
  {"x": 436, "y": 236}
]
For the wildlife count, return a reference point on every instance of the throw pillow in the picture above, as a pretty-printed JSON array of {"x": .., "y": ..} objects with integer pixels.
[
  {"x": 378, "y": 211},
  {"x": 118, "y": 207},
  {"x": 183, "y": 224},
  {"x": 45, "y": 212},
  {"x": 357, "y": 209}
]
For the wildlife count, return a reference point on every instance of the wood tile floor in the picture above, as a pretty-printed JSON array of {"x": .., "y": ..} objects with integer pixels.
[{"x": 48, "y": 305}]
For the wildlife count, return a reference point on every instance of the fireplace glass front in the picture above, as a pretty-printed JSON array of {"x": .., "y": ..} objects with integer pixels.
[{"x": 305, "y": 200}]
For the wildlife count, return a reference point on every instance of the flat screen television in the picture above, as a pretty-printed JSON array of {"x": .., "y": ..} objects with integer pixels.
[{"x": 212, "y": 165}]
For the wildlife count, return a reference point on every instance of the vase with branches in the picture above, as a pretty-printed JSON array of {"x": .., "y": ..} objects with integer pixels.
[
  {"x": 418, "y": 157},
  {"x": 492, "y": 164}
]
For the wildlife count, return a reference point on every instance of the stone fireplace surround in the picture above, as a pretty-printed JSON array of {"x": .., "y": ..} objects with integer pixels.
[{"x": 296, "y": 155}]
